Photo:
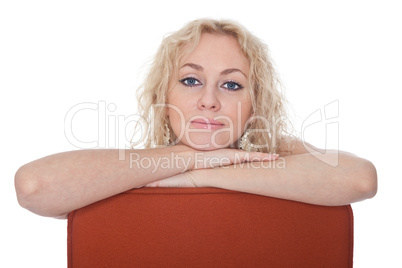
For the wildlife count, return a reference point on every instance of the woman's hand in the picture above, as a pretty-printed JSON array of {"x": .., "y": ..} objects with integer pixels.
[
  {"x": 226, "y": 157},
  {"x": 204, "y": 160}
]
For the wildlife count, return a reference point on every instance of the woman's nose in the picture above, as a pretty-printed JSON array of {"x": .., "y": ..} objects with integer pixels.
[{"x": 208, "y": 100}]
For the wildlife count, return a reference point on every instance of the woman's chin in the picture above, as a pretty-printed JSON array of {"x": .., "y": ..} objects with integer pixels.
[{"x": 205, "y": 146}]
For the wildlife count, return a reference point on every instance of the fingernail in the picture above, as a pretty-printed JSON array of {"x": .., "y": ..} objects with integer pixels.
[{"x": 273, "y": 156}]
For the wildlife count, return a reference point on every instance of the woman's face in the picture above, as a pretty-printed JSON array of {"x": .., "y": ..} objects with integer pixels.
[{"x": 209, "y": 103}]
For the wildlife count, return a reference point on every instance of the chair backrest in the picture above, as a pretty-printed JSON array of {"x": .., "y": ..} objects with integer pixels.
[{"x": 208, "y": 227}]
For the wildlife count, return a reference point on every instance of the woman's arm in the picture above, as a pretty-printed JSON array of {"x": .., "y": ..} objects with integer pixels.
[
  {"x": 303, "y": 178},
  {"x": 57, "y": 184},
  {"x": 331, "y": 178}
]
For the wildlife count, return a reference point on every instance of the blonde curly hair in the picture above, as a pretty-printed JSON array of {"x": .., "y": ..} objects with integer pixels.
[{"x": 269, "y": 120}]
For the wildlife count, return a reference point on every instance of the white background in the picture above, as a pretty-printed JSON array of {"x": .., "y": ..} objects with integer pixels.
[{"x": 56, "y": 54}]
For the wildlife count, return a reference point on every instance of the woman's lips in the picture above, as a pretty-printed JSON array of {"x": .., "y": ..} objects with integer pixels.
[{"x": 206, "y": 124}]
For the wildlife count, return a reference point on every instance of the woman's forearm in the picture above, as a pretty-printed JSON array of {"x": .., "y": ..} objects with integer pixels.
[
  {"x": 303, "y": 178},
  {"x": 57, "y": 184}
]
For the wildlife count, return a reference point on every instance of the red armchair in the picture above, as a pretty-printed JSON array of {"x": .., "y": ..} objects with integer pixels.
[{"x": 208, "y": 227}]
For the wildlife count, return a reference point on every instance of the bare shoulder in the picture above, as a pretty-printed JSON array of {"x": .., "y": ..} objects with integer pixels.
[{"x": 291, "y": 145}]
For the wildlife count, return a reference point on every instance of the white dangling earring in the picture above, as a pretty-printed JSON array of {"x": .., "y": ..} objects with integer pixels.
[
  {"x": 166, "y": 135},
  {"x": 245, "y": 143}
]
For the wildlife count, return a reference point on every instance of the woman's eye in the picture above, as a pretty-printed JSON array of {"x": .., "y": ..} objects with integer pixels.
[
  {"x": 232, "y": 86},
  {"x": 190, "y": 81}
]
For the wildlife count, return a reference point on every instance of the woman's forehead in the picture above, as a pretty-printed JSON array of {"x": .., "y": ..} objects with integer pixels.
[{"x": 215, "y": 49}]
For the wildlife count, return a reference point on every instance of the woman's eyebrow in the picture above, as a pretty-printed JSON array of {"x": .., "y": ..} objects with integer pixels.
[
  {"x": 232, "y": 70},
  {"x": 200, "y": 68},
  {"x": 194, "y": 66}
]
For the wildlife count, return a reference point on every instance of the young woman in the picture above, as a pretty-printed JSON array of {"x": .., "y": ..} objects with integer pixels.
[{"x": 219, "y": 121}]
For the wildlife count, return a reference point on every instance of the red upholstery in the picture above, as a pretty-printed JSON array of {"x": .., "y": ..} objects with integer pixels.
[{"x": 208, "y": 227}]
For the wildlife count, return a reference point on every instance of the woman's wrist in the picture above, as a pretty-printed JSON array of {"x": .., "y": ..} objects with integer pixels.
[
  {"x": 199, "y": 177},
  {"x": 181, "y": 157}
]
